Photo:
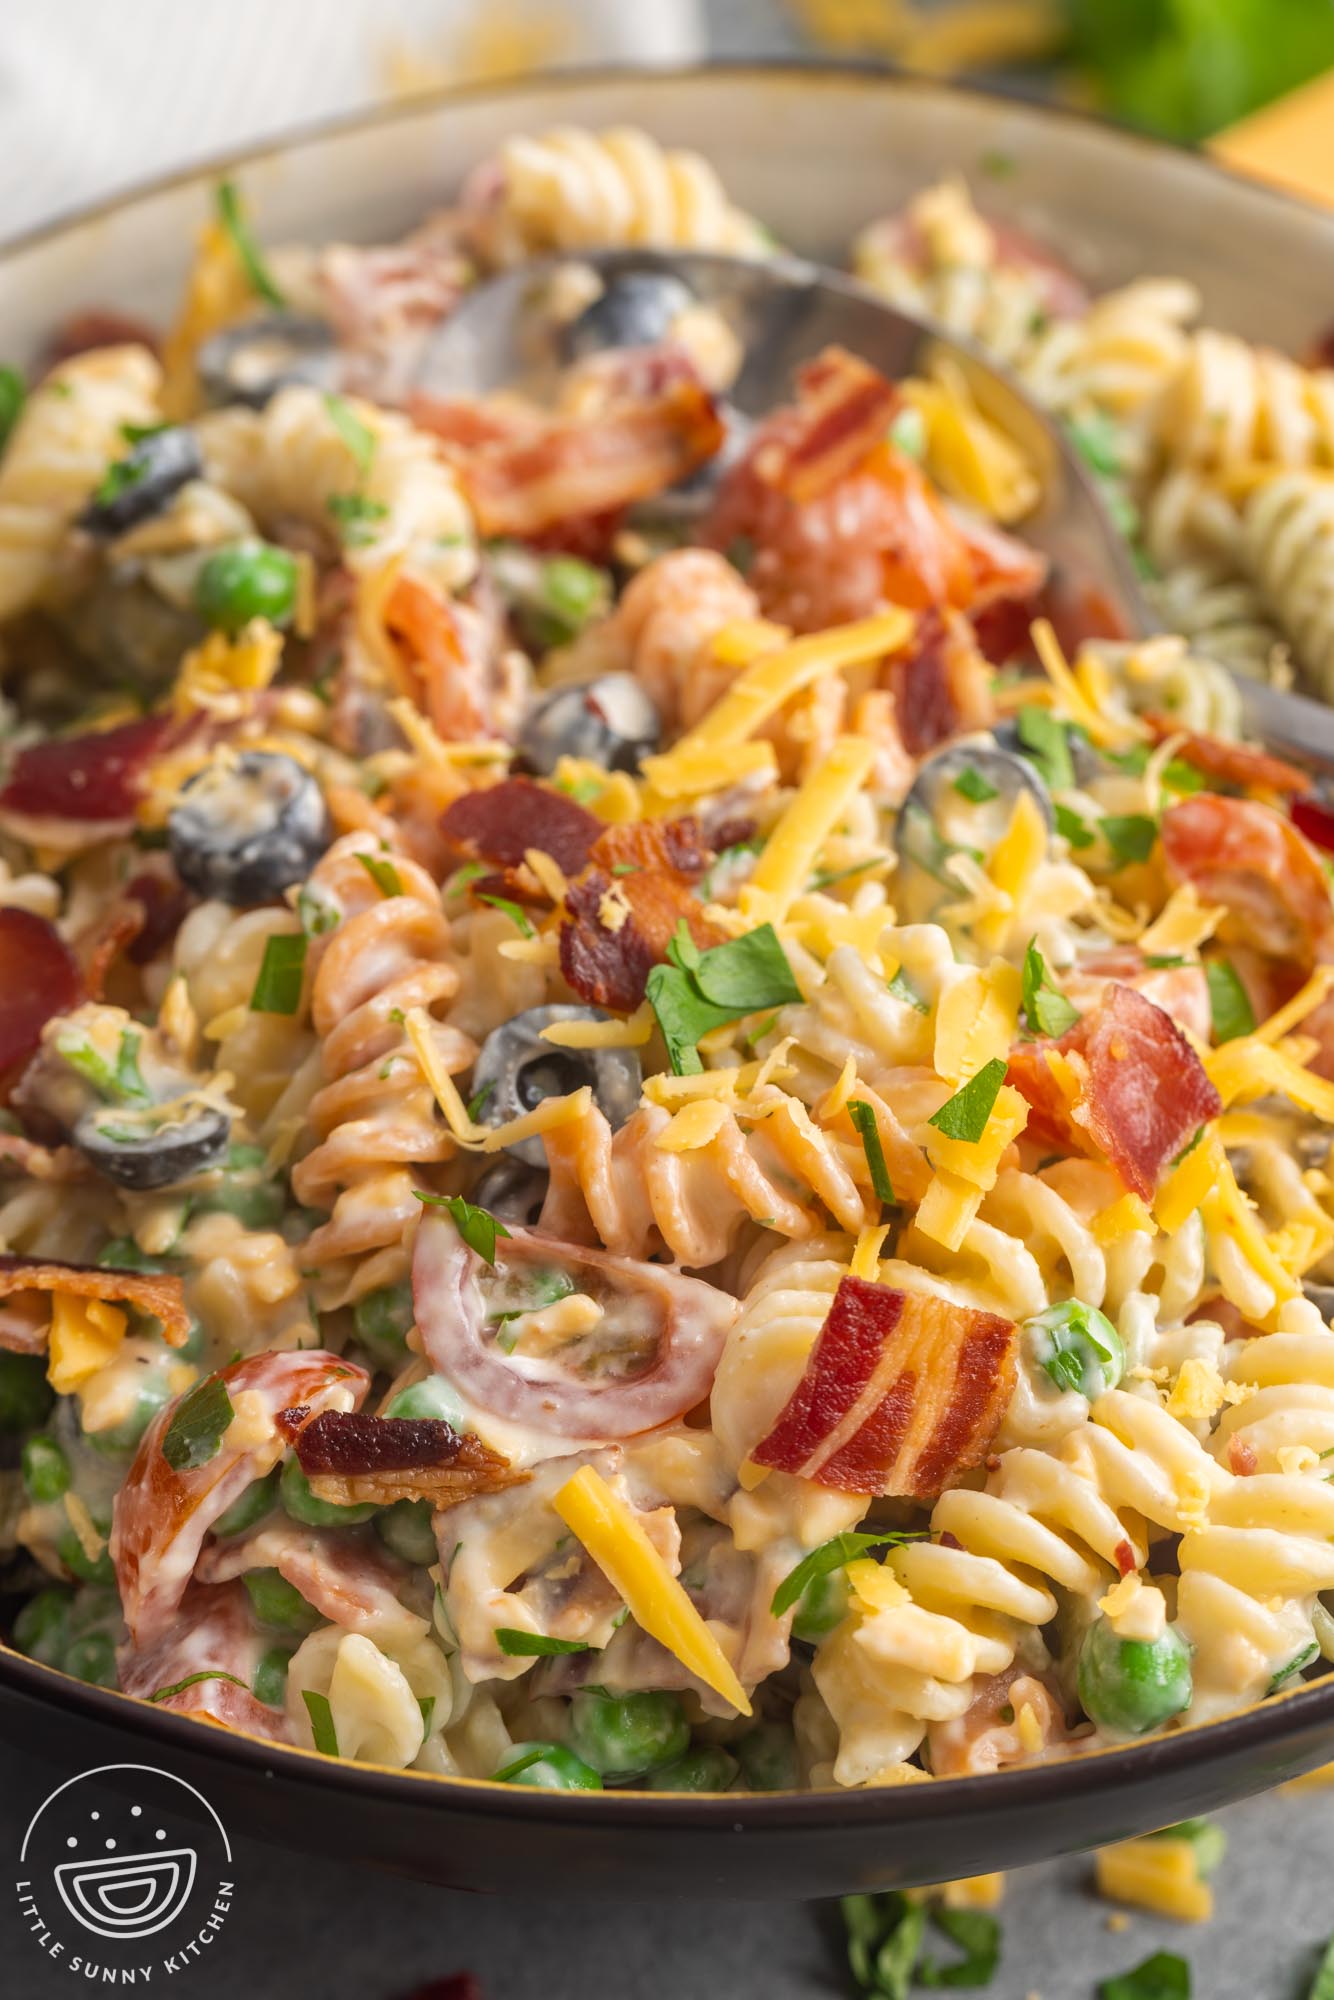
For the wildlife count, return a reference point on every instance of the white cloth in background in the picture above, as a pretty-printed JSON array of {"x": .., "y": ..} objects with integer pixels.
[{"x": 98, "y": 94}]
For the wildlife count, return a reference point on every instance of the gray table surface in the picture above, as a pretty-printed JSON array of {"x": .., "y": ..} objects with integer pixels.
[{"x": 346, "y": 1932}]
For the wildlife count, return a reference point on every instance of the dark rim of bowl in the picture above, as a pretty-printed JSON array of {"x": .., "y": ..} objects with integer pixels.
[{"x": 1093, "y": 1772}]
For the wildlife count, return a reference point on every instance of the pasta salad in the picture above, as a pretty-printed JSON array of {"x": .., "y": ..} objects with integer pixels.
[{"x": 667, "y": 1118}]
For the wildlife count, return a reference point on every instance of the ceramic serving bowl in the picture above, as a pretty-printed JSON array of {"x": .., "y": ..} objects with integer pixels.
[{"x": 816, "y": 152}]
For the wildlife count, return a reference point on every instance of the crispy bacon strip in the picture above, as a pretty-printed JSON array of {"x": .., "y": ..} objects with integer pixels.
[
  {"x": 618, "y": 926},
  {"x": 503, "y": 821},
  {"x": 844, "y": 406},
  {"x": 1231, "y": 763},
  {"x": 215, "y": 1633},
  {"x": 154, "y": 1292},
  {"x": 350, "y": 1457},
  {"x": 941, "y": 684},
  {"x": 902, "y": 1393},
  {"x": 39, "y": 978},
  {"x": 1252, "y": 860},
  {"x": 162, "y": 1515},
  {"x": 1143, "y": 1091},
  {"x": 574, "y": 466},
  {"x": 95, "y": 777}
]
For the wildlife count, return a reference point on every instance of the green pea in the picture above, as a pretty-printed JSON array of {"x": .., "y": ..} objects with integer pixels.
[
  {"x": 405, "y": 1528},
  {"x": 705, "y": 1768},
  {"x": 122, "y": 1438},
  {"x": 382, "y": 1320},
  {"x": 122, "y": 1253},
  {"x": 46, "y": 1473},
  {"x": 70, "y": 1550},
  {"x": 271, "y": 1676},
  {"x": 1076, "y": 1347},
  {"x": 548, "y": 1766},
  {"x": 625, "y": 1736},
  {"x": 303, "y": 1506},
  {"x": 430, "y": 1398},
  {"x": 279, "y": 1603},
  {"x": 1130, "y": 1686},
  {"x": 25, "y": 1394},
  {"x": 258, "y": 1499},
  {"x": 768, "y": 1757},
  {"x": 244, "y": 1190},
  {"x": 41, "y": 1629},
  {"x": 821, "y": 1606},
  {"x": 246, "y": 580},
  {"x": 92, "y": 1658}
]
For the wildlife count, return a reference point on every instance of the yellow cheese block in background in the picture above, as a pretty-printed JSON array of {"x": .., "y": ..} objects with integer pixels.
[{"x": 1290, "y": 143}]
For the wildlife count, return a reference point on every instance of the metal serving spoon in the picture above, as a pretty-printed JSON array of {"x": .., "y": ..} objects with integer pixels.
[{"x": 783, "y": 311}]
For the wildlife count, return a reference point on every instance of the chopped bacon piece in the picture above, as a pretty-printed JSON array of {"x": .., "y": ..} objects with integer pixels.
[
  {"x": 101, "y": 944},
  {"x": 95, "y": 777},
  {"x": 154, "y": 1292},
  {"x": 95, "y": 326},
  {"x": 990, "y": 1736},
  {"x": 502, "y": 822},
  {"x": 1143, "y": 1090},
  {"x": 585, "y": 465},
  {"x": 448, "y": 659},
  {"x": 1316, "y": 821},
  {"x": 941, "y": 684},
  {"x": 844, "y": 406},
  {"x": 618, "y": 926},
  {"x": 214, "y": 1634},
  {"x": 1125, "y": 1558},
  {"x": 1242, "y": 1458},
  {"x": 1231, "y": 763},
  {"x": 1180, "y": 990},
  {"x": 164, "y": 901},
  {"x": 1252, "y": 860},
  {"x": 352, "y": 1457},
  {"x": 162, "y": 1515},
  {"x": 39, "y": 978},
  {"x": 348, "y": 1577},
  {"x": 902, "y": 1393}
]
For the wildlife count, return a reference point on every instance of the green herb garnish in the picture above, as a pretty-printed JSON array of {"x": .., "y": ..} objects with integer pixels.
[
  {"x": 863, "y": 1118},
  {"x": 1077, "y": 831},
  {"x": 356, "y": 514},
  {"x": 1322, "y": 1987},
  {"x": 884, "y": 1938},
  {"x": 358, "y": 437},
  {"x": 699, "y": 990},
  {"x": 525, "y": 1645},
  {"x": 193, "y": 1680},
  {"x": 1229, "y": 1006},
  {"x": 834, "y": 1554},
  {"x": 1294, "y": 1667},
  {"x": 194, "y": 1434},
  {"x": 1129, "y": 835},
  {"x": 514, "y": 911},
  {"x": 903, "y": 989},
  {"x": 1162, "y": 1977},
  {"x": 478, "y": 1102},
  {"x": 321, "y": 1722},
  {"x": 120, "y": 1082},
  {"x": 278, "y": 987},
  {"x": 1047, "y": 740},
  {"x": 1048, "y": 1011},
  {"x": 383, "y": 873},
  {"x": 477, "y": 1226},
  {"x": 13, "y": 394},
  {"x": 964, "y": 1116},
  {"x": 245, "y": 246},
  {"x": 978, "y": 1937},
  {"x": 973, "y": 786}
]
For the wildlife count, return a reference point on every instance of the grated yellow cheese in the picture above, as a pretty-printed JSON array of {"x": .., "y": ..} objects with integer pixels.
[
  {"x": 612, "y": 795},
  {"x": 839, "y": 1091},
  {"x": 794, "y": 845},
  {"x": 865, "y": 1262},
  {"x": 1198, "y": 1393},
  {"x": 977, "y": 1018},
  {"x": 214, "y": 672},
  {"x": 1249, "y": 1067},
  {"x": 657, "y": 1600},
  {"x": 1186, "y": 1186},
  {"x": 973, "y": 1892},
  {"x": 85, "y": 1528},
  {"x": 693, "y": 1126},
  {"x": 1124, "y": 1218},
  {"x": 1184, "y": 924},
  {"x": 1016, "y": 856},
  {"x": 875, "y": 1587},
  {"x": 1158, "y": 1875},
  {"x": 553, "y": 1111},
  {"x": 85, "y": 1336},
  {"x": 758, "y": 692},
  {"x": 631, "y": 1033},
  {"x": 948, "y": 1209},
  {"x": 1100, "y": 725},
  {"x": 977, "y": 1162},
  {"x": 745, "y": 639}
]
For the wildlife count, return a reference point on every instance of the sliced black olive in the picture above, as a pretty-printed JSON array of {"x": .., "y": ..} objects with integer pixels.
[
  {"x": 512, "y": 1191},
  {"x": 125, "y": 633},
  {"x": 1082, "y": 756},
  {"x": 966, "y": 773},
  {"x": 139, "y": 1151},
  {"x": 517, "y": 1070},
  {"x": 610, "y": 721},
  {"x": 139, "y": 485},
  {"x": 251, "y": 362},
  {"x": 636, "y": 309},
  {"x": 245, "y": 830}
]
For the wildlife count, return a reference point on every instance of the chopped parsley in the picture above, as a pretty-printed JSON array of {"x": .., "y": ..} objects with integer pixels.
[
  {"x": 357, "y": 436},
  {"x": 1074, "y": 829},
  {"x": 1130, "y": 836},
  {"x": 903, "y": 989},
  {"x": 13, "y": 393},
  {"x": 973, "y": 786},
  {"x": 834, "y": 1554},
  {"x": 1229, "y": 1005},
  {"x": 516, "y": 914},
  {"x": 383, "y": 873},
  {"x": 525, "y": 1645},
  {"x": 194, "y": 1434},
  {"x": 964, "y": 1116},
  {"x": 1165, "y": 1976},
  {"x": 248, "y": 252},
  {"x": 699, "y": 990},
  {"x": 321, "y": 1722},
  {"x": 863, "y": 1118},
  {"x": 477, "y": 1226},
  {"x": 193, "y": 1680},
  {"x": 1047, "y": 1010},
  {"x": 1047, "y": 741},
  {"x": 356, "y": 515}
]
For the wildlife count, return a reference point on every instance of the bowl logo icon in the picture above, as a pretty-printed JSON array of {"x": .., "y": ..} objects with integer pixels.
[
  {"x": 125, "y": 1870},
  {"x": 128, "y": 1897}
]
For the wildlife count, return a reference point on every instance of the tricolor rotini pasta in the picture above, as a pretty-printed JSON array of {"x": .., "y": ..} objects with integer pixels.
[{"x": 666, "y": 1123}]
